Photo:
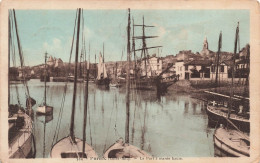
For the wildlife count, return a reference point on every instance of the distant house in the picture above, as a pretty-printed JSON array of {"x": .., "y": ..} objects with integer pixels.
[
  {"x": 197, "y": 69},
  {"x": 151, "y": 65},
  {"x": 50, "y": 61},
  {"x": 58, "y": 63},
  {"x": 222, "y": 70},
  {"x": 180, "y": 69}
]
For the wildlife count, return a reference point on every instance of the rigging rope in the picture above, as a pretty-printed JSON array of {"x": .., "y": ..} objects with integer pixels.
[
  {"x": 12, "y": 47},
  {"x": 65, "y": 88}
]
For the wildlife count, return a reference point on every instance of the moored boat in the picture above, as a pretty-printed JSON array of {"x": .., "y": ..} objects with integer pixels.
[
  {"x": 20, "y": 134},
  {"x": 20, "y": 131},
  {"x": 229, "y": 140},
  {"x": 121, "y": 149},
  {"x": 218, "y": 115},
  {"x": 71, "y": 146},
  {"x": 124, "y": 150},
  {"x": 66, "y": 148},
  {"x": 44, "y": 108},
  {"x": 102, "y": 78},
  {"x": 231, "y": 143}
]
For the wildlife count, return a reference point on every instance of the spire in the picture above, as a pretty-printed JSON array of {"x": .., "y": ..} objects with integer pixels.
[{"x": 205, "y": 43}]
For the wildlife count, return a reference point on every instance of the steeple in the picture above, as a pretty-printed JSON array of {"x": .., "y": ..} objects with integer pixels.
[{"x": 205, "y": 44}]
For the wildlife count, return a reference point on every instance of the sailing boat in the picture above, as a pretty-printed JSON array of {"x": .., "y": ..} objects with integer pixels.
[
  {"x": 69, "y": 147},
  {"x": 232, "y": 142},
  {"x": 102, "y": 78},
  {"x": 218, "y": 112},
  {"x": 44, "y": 108},
  {"x": 148, "y": 78},
  {"x": 122, "y": 149},
  {"x": 20, "y": 136},
  {"x": 115, "y": 83}
]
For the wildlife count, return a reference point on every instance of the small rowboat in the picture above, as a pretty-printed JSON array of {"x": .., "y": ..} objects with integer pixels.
[{"x": 232, "y": 142}]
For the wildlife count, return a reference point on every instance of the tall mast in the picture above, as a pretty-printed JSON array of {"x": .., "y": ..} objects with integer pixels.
[
  {"x": 116, "y": 71},
  {"x": 128, "y": 80},
  {"x": 45, "y": 73},
  {"x": 218, "y": 53},
  {"x": 144, "y": 49},
  {"x": 95, "y": 65},
  {"x": 22, "y": 64},
  {"x": 75, "y": 81},
  {"x": 85, "y": 104},
  {"x": 133, "y": 46},
  {"x": 9, "y": 53},
  {"x": 103, "y": 61},
  {"x": 233, "y": 70}
]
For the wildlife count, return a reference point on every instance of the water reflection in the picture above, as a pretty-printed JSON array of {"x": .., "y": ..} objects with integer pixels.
[{"x": 174, "y": 125}]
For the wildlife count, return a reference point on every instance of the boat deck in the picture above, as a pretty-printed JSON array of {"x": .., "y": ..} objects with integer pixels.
[
  {"x": 123, "y": 150},
  {"x": 21, "y": 137},
  {"x": 223, "y": 111},
  {"x": 232, "y": 141},
  {"x": 65, "y": 147}
]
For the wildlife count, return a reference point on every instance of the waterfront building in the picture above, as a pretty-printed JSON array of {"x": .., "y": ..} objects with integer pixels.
[
  {"x": 197, "y": 70},
  {"x": 223, "y": 68},
  {"x": 153, "y": 66}
]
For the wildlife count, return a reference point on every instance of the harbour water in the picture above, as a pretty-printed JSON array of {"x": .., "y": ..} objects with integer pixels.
[{"x": 175, "y": 125}]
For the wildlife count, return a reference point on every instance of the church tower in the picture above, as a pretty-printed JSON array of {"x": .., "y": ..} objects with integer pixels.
[
  {"x": 205, "y": 50},
  {"x": 205, "y": 44}
]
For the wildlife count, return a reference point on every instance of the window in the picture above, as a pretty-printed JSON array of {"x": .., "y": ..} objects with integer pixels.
[
  {"x": 181, "y": 68},
  {"x": 221, "y": 68},
  {"x": 186, "y": 67}
]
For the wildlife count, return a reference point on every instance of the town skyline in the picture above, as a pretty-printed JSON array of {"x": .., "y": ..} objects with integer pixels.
[{"x": 177, "y": 30}]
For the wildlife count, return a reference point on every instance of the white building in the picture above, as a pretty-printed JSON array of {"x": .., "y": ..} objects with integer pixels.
[
  {"x": 152, "y": 65},
  {"x": 193, "y": 70},
  {"x": 222, "y": 70}
]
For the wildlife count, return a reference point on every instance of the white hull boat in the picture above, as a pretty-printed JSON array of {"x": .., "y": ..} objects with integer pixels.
[{"x": 45, "y": 109}]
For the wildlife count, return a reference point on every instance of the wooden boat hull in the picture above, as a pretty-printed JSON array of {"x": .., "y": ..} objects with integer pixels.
[
  {"x": 21, "y": 145},
  {"x": 217, "y": 117},
  {"x": 122, "y": 150},
  {"x": 24, "y": 150},
  {"x": 103, "y": 83},
  {"x": 227, "y": 143},
  {"x": 45, "y": 110},
  {"x": 65, "y": 146}
]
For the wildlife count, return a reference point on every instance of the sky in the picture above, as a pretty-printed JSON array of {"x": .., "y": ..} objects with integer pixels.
[{"x": 51, "y": 31}]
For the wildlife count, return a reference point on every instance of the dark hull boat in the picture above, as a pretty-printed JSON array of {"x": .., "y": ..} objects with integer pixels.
[
  {"x": 152, "y": 84},
  {"x": 103, "y": 82},
  {"x": 218, "y": 115},
  {"x": 230, "y": 141}
]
